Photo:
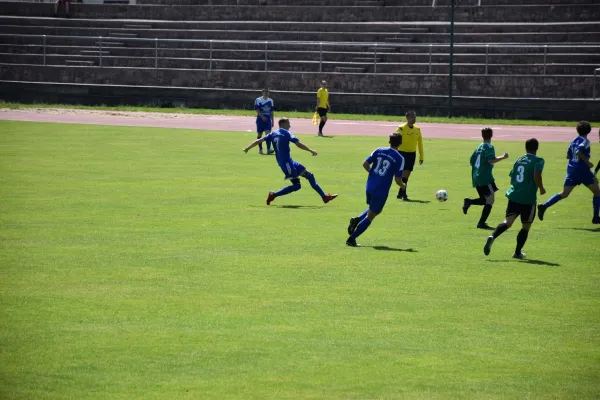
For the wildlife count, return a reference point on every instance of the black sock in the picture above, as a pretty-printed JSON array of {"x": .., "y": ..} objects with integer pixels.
[
  {"x": 476, "y": 202},
  {"x": 521, "y": 239},
  {"x": 405, "y": 180},
  {"x": 500, "y": 229},
  {"x": 321, "y": 125},
  {"x": 487, "y": 209}
]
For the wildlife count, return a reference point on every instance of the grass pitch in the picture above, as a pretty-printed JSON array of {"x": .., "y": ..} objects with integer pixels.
[{"x": 144, "y": 263}]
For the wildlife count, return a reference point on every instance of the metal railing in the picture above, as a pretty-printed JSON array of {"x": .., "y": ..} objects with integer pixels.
[
  {"x": 155, "y": 45},
  {"x": 596, "y": 71}
]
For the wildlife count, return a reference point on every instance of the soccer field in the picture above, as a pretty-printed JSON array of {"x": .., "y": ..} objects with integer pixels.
[{"x": 143, "y": 263}]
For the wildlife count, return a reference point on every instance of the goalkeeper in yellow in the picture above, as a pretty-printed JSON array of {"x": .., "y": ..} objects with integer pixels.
[{"x": 411, "y": 138}]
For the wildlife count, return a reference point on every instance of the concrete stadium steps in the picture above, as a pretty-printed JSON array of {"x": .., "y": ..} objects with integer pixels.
[
  {"x": 548, "y": 86},
  {"x": 399, "y": 37},
  {"x": 383, "y": 3},
  {"x": 493, "y": 57},
  {"x": 391, "y": 28},
  {"x": 305, "y": 66},
  {"x": 537, "y": 13}
]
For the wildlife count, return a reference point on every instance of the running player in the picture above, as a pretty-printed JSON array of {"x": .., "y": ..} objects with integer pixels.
[
  {"x": 382, "y": 165},
  {"x": 411, "y": 139},
  {"x": 578, "y": 172},
  {"x": 265, "y": 117},
  {"x": 525, "y": 179},
  {"x": 293, "y": 170},
  {"x": 482, "y": 162}
]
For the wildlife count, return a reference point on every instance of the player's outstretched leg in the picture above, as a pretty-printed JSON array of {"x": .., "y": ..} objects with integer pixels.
[
  {"x": 260, "y": 148},
  {"x": 472, "y": 202},
  {"x": 313, "y": 183},
  {"x": 521, "y": 239},
  {"x": 295, "y": 186},
  {"x": 553, "y": 200},
  {"x": 354, "y": 221},
  {"x": 596, "y": 203},
  {"x": 500, "y": 229},
  {"x": 485, "y": 213}
]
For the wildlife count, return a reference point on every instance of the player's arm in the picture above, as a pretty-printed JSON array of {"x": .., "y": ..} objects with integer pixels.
[
  {"x": 255, "y": 143},
  {"x": 420, "y": 144},
  {"x": 537, "y": 178},
  {"x": 304, "y": 147},
  {"x": 318, "y": 99},
  {"x": 585, "y": 159},
  {"x": 258, "y": 113},
  {"x": 367, "y": 166},
  {"x": 500, "y": 158}
]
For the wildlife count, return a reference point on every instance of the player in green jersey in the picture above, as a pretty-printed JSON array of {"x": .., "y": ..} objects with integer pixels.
[
  {"x": 525, "y": 179},
  {"x": 482, "y": 162}
]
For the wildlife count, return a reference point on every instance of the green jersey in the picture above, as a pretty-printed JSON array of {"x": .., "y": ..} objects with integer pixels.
[
  {"x": 481, "y": 169},
  {"x": 523, "y": 188}
]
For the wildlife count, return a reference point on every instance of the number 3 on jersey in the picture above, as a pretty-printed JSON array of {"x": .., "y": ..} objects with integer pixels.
[
  {"x": 381, "y": 167},
  {"x": 520, "y": 173}
]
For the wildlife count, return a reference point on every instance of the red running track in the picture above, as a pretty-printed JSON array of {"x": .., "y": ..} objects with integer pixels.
[{"x": 302, "y": 126}]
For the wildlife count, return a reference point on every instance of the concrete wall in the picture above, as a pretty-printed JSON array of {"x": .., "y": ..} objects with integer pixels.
[
  {"x": 87, "y": 94},
  {"x": 555, "y": 86}
]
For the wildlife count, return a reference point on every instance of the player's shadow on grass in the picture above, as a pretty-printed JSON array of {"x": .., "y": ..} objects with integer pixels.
[
  {"x": 327, "y": 136},
  {"x": 292, "y": 206},
  {"x": 386, "y": 248},
  {"x": 528, "y": 261},
  {"x": 417, "y": 201},
  {"x": 584, "y": 229}
]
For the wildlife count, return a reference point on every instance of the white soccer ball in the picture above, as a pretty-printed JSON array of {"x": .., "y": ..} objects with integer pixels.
[{"x": 441, "y": 195}]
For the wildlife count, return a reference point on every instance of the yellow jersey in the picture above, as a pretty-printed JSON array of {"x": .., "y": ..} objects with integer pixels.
[
  {"x": 411, "y": 138},
  {"x": 323, "y": 96}
]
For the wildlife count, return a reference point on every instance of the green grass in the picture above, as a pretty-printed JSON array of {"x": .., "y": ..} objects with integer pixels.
[
  {"x": 142, "y": 263},
  {"x": 295, "y": 114}
]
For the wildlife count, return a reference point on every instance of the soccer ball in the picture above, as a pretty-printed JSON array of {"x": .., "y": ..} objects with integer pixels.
[{"x": 441, "y": 195}]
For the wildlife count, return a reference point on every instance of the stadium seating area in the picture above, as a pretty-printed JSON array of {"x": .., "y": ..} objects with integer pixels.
[{"x": 503, "y": 49}]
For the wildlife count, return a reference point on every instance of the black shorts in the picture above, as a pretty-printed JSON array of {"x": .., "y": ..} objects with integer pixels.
[
  {"x": 322, "y": 111},
  {"x": 526, "y": 211},
  {"x": 485, "y": 191},
  {"x": 409, "y": 159}
]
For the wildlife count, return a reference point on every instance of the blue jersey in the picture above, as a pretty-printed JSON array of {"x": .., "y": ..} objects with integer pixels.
[
  {"x": 582, "y": 145},
  {"x": 386, "y": 163},
  {"x": 281, "y": 143},
  {"x": 265, "y": 107}
]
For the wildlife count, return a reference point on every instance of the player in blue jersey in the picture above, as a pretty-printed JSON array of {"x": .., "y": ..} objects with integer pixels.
[
  {"x": 383, "y": 165},
  {"x": 293, "y": 170},
  {"x": 265, "y": 117},
  {"x": 578, "y": 172}
]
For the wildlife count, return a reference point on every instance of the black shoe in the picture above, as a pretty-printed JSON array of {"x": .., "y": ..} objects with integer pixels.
[
  {"x": 541, "y": 211},
  {"x": 484, "y": 226},
  {"x": 596, "y": 220},
  {"x": 466, "y": 205},
  {"x": 519, "y": 256},
  {"x": 352, "y": 242},
  {"x": 488, "y": 245},
  {"x": 405, "y": 198},
  {"x": 353, "y": 224}
]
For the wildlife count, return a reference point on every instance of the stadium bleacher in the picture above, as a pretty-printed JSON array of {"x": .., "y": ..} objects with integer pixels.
[{"x": 507, "y": 52}]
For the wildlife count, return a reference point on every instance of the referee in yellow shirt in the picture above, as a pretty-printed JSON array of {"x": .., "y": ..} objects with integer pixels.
[
  {"x": 323, "y": 106},
  {"x": 411, "y": 138}
]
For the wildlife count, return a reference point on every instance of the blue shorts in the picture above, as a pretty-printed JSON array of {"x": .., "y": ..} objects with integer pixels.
[
  {"x": 376, "y": 202},
  {"x": 575, "y": 178},
  {"x": 292, "y": 169},
  {"x": 262, "y": 126}
]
